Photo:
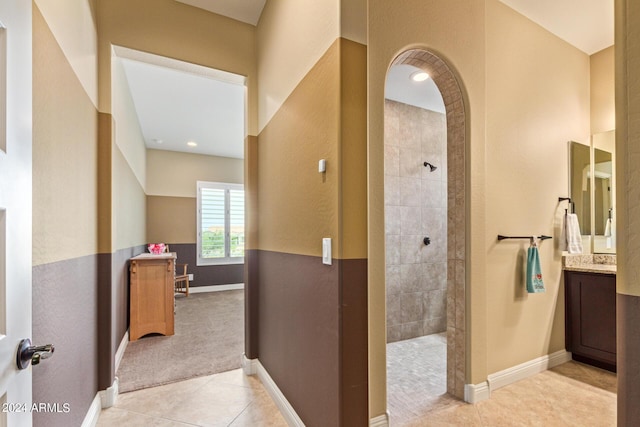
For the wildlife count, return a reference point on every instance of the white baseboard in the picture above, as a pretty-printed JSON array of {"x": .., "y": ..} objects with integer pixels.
[
  {"x": 104, "y": 399},
  {"x": 527, "y": 369},
  {"x": 91, "y": 419},
  {"x": 380, "y": 420},
  {"x": 108, "y": 396},
  {"x": 288, "y": 413},
  {"x": 121, "y": 348},
  {"x": 249, "y": 366},
  {"x": 215, "y": 288},
  {"x": 474, "y": 393}
]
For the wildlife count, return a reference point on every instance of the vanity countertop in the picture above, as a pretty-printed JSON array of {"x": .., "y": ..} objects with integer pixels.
[
  {"x": 594, "y": 263},
  {"x": 593, "y": 268}
]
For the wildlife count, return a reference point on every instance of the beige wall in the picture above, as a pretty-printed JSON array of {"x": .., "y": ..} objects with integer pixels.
[
  {"x": 73, "y": 26},
  {"x": 64, "y": 155},
  {"x": 174, "y": 174},
  {"x": 456, "y": 32},
  {"x": 179, "y": 31},
  {"x": 298, "y": 205},
  {"x": 171, "y": 219},
  {"x": 129, "y": 204},
  {"x": 291, "y": 38},
  {"x": 353, "y": 20},
  {"x": 171, "y": 191},
  {"x": 627, "y": 67},
  {"x": 603, "y": 109},
  {"x": 353, "y": 150},
  {"x": 128, "y": 135},
  {"x": 529, "y": 121}
]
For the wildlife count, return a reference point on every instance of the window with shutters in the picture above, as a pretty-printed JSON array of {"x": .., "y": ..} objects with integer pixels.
[{"x": 220, "y": 223}]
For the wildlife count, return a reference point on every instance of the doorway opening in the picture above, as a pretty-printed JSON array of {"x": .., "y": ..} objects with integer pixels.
[
  {"x": 425, "y": 234},
  {"x": 179, "y": 134}
]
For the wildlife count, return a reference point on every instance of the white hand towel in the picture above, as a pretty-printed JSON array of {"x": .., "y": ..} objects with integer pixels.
[
  {"x": 571, "y": 234},
  {"x": 607, "y": 228}
]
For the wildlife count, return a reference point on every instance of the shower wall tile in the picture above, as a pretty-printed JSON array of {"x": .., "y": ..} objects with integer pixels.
[
  {"x": 416, "y": 201},
  {"x": 394, "y": 333},
  {"x": 412, "y": 330},
  {"x": 410, "y": 220},
  {"x": 391, "y": 160},
  {"x": 434, "y": 276},
  {"x": 431, "y": 194},
  {"x": 392, "y": 219},
  {"x": 392, "y": 243},
  {"x": 392, "y": 279},
  {"x": 410, "y": 164},
  {"x": 409, "y": 135},
  {"x": 410, "y": 189},
  {"x": 411, "y": 278},
  {"x": 391, "y": 190},
  {"x": 391, "y": 127},
  {"x": 434, "y": 304},
  {"x": 434, "y": 326},
  {"x": 434, "y": 221},
  {"x": 410, "y": 249},
  {"x": 412, "y": 307},
  {"x": 394, "y": 310}
]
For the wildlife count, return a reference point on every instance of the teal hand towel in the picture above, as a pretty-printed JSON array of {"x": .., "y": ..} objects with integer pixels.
[{"x": 534, "y": 272}]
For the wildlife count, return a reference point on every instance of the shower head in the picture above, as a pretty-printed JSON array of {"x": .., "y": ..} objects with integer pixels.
[{"x": 431, "y": 167}]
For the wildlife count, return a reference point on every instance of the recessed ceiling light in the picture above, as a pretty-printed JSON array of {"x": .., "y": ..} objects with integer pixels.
[
  {"x": 192, "y": 144},
  {"x": 419, "y": 76},
  {"x": 157, "y": 141}
]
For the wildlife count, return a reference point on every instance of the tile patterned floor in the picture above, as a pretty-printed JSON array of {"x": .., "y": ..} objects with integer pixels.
[
  {"x": 226, "y": 399},
  {"x": 571, "y": 394},
  {"x": 416, "y": 377}
]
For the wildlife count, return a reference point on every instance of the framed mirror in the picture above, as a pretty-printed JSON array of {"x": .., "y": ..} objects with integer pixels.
[
  {"x": 592, "y": 191},
  {"x": 603, "y": 192}
]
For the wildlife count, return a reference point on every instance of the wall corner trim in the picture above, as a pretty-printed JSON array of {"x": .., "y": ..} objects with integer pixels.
[
  {"x": 249, "y": 366},
  {"x": 527, "y": 369},
  {"x": 380, "y": 420},
  {"x": 287, "y": 411},
  {"x": 121, "y": 348},
  {"x": 474, "y": 393},
  {"x": 91, "y": 419},
  {"x": 104, "y": 399},
  {"x": 108, "y": 396}
]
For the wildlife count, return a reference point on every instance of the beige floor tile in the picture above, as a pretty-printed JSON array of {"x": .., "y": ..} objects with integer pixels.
[
  {"x": 120, "y": 417},
  {"x": 212, "y": 405},
  {"x": 460, "y": 414},
  {"x": 262, "y": 412}
]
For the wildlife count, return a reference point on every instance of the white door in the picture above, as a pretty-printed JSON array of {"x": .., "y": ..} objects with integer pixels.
[{"x": 15, "y": 208}]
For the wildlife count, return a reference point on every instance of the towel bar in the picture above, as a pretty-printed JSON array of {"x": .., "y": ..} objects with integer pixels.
[{"x": 543, "y": 237}]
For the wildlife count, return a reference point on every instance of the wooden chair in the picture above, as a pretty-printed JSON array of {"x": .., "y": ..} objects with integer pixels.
[{"x": 182, "y": 279}]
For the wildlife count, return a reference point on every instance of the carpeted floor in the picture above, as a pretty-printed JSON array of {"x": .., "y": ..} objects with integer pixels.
[{"x": 209, "y": 338}]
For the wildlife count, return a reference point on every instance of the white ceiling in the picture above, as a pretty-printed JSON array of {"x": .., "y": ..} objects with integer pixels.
[
  {"x": 586, "y": 24},
  {"x": 177, "y": 106},
  {"x": 248, "y": 11}
]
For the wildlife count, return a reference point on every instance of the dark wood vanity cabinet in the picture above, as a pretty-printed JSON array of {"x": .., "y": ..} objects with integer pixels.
[{"x": 590, "y": 318}]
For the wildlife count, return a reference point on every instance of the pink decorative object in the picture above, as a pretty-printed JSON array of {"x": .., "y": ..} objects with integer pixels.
[{"x": 156, "y": 248}]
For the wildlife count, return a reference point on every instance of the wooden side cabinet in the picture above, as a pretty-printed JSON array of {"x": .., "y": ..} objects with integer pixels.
[
  {"x": 151, "y": 295},
  {"x": 590, "y": 318}
]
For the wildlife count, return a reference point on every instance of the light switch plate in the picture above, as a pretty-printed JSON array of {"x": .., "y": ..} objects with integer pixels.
[{"x": 326, "y": 250}]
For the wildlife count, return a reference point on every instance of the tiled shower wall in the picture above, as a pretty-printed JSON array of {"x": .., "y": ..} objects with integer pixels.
[{"x": 415, "y": 207}]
